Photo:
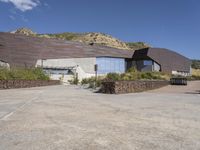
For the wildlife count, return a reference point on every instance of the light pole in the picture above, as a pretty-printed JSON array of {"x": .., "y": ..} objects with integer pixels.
[{"x": 95, "y": 69}]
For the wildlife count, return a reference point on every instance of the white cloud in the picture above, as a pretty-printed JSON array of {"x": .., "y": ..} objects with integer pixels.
[
  {"x": 23, "y": 5},
  {"x": 12, "y": 17}
]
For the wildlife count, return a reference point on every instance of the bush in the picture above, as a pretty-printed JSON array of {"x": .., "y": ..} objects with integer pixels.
[
  {"x": 75, "y": 80},
  {"x": 133, "y": 74},
  {"x": 130, "y": 76},
  {"x": 132, "y": 70},
  {"x": 23, "y": 74},
  {"x": 113, "y": 76},
  {"x": 154, "y": 76},
  {"x": 193, "y": 77},
  {"x": 196, "y": 64},
  {"x": 92, "y": 80},
  {"x": 196, "y": 72},
  {"x": 148, "y": 75},
  {"x": 4, "y": 74}
]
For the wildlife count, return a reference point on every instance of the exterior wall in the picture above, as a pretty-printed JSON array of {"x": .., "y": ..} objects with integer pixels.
[
  {"x": 87, "y": 64},
  {"x": 181, "y": 73},
  {"x": 83, "y": 67},
  {"x": 4, "y": 65},
  {"x": 156, "y": 67},
  {"x": 110, "y": 64}
]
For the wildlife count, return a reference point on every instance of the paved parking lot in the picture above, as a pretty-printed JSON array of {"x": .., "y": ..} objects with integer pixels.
[{"x": 68, "y": 117}]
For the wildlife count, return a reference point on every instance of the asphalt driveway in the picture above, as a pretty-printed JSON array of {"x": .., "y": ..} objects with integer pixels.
[{"x": 68, "y": 117}]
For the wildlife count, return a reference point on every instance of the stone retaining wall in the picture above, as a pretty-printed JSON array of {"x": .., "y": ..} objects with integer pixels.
[
  {"x": 120, "y": 87},
  {"x": 11, "y": 84}
]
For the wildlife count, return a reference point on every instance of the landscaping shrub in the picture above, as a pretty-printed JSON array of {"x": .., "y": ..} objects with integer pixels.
[
  {"x": 75, "y": 80},
  {"x": 22, "y": 74},
  {"x": 154, "y": 76},
  {"x": 3, "y": 74},
  {"x": 113, "y": 76},
  {"x": 131, "y": 75},
  {"x": 131, "y": 70},
  {"x": 92, "y": 80},
  {"x": 193, "y": 77}
]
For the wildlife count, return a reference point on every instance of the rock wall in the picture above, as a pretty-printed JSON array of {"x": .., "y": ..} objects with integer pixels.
[
  {"x": 120, "y": 87},
  {"x": 11, "y": 84}
]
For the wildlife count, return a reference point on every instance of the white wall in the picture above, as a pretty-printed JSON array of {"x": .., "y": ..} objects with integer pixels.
[
  {"x": 83, "y": 66},
  {"x": 156, "y": 67},
  {"x": 181, "y": 73},
  {"x": 4, "y": 65}
]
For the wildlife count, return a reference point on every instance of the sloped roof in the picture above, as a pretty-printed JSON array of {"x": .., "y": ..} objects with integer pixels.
[
  {"x": 21, "y": 50},
  {"x": 169, "y": 60}
]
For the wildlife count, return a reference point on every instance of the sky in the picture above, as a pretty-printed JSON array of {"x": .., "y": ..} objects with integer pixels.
[{"x": 172, "y": 24}]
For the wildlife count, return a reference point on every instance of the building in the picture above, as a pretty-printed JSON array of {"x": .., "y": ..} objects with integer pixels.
[
  {"x": 63, "y": 59},
  {"x": 160, "y": 59}
]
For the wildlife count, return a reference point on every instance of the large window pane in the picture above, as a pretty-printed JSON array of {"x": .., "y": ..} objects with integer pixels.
[
  {"x": 109, "y": 64},
  {"x": 147, "y": 62}
]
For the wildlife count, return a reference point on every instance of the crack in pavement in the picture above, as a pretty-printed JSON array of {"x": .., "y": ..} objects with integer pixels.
[{"x": 6, "y": 116}]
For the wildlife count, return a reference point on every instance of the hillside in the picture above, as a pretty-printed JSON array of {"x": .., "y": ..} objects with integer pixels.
[
  {"x": 196, "y": 64},
  {"x": 24, "y": 31},
  {"x": 91, "y": 37}
]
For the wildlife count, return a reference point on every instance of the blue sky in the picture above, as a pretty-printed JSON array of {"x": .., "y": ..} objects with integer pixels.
[{"x": 173, "y": 24}]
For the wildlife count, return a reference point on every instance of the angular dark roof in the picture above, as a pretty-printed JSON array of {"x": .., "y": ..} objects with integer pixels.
[
  {"x": 169, "y": 60},
  {"x": 20, "y": 50}
]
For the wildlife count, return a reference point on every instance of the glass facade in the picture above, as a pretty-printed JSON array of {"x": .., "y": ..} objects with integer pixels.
[
  {"x": 110, "y": 64},
  {"x": 148, "y": 62}
]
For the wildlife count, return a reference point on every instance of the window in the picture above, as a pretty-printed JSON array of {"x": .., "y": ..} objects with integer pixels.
[
  {"x": 110, "y": 64},
  {"x": 56, "y": 71},
  {"x": 148, "y": 63}
]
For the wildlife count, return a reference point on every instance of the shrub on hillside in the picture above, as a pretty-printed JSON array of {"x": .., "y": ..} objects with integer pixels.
[{"x": 196, "y": 64}]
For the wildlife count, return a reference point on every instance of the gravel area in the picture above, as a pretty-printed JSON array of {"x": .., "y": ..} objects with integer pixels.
[{"x": 73, "y": 118}]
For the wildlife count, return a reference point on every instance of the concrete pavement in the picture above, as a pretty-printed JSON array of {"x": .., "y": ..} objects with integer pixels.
[{"x": 69, "y": 117}]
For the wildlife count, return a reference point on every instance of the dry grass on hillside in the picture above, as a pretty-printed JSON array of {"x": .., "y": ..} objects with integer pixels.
[{"x": 196, "y": 72}]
